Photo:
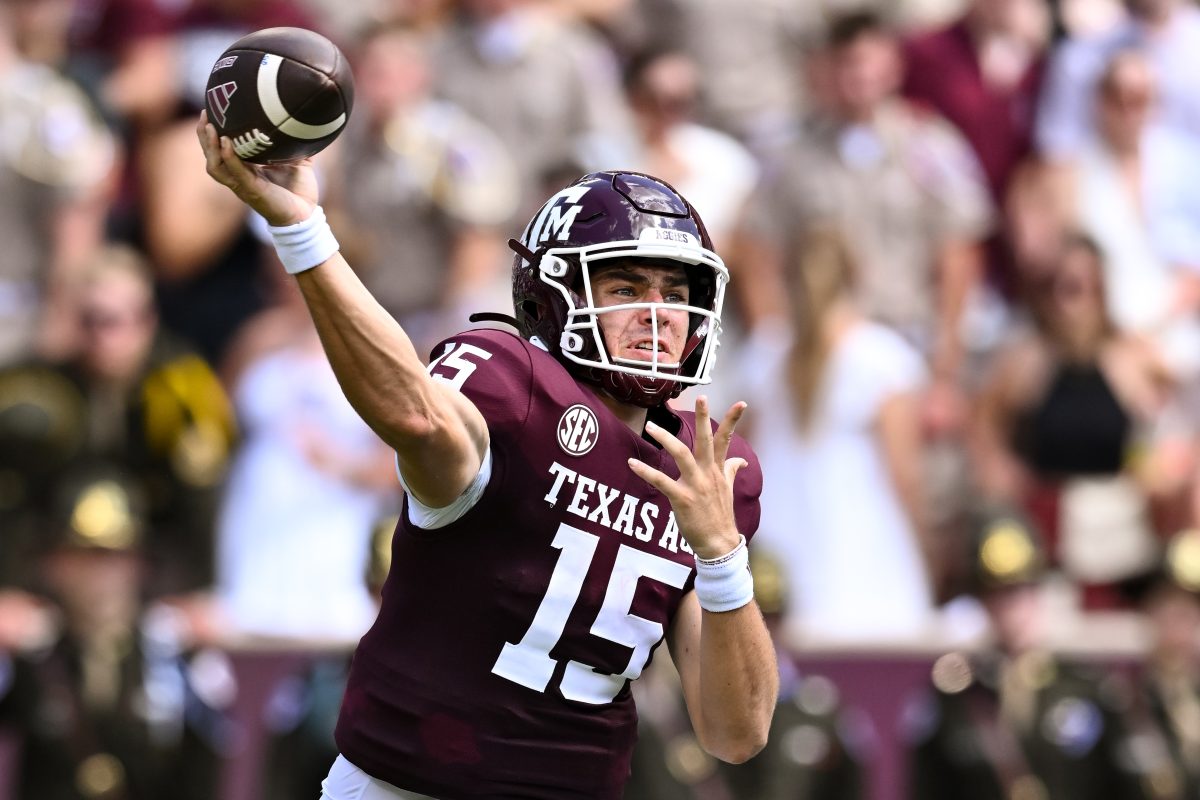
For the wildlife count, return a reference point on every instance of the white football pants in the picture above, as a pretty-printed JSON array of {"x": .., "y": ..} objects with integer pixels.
[{"x": 347, "y": 782}]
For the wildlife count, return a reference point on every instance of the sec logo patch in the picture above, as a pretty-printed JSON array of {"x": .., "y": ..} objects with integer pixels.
[{"x": 578, "y": 430}]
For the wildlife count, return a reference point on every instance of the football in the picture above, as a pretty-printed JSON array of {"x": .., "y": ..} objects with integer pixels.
[{"x": 281, "y": 94}]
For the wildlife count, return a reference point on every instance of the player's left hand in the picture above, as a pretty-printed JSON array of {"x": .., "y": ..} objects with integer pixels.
[{"x": 702, "y": 497}]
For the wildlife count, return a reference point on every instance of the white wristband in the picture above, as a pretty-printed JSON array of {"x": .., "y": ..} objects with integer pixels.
[
  {"x": 306, "y": 244},
  {"x": 725, "y": 583}
]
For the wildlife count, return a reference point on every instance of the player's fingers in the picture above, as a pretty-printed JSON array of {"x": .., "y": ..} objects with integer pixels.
[
  {"x": 213, "y": 162},
  {"x": 732, "y": 467},
  {"x": 652, "y": 476},
  {"x": 725, "y": 431},
  {"x": 703, "y": 444},
  {"x": 242, "y": 174},
  {"x": 207, "y": 135},
  {"x": 677, "y": 449}
]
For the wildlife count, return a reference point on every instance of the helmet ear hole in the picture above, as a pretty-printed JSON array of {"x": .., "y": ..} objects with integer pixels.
[
  {"x": 532, "y": 309},
  {"x": 571, "y": 342},
  {"x": 554, "y": 266}
]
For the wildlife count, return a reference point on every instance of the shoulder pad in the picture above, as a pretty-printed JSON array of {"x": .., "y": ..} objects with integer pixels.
[{"x": 492, "y": 368}]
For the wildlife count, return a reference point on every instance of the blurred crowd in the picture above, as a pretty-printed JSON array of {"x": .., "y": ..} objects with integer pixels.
[{"x": 964, "y": 241}]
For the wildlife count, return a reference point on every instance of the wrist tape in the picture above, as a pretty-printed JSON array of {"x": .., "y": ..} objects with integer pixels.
[
  {"x": 725, "y": 583},
  {"x": 306, "y": 244}
]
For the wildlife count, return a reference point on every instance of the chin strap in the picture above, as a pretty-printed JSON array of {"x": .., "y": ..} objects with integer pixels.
[
  {"x": 493, "y": 316},
  {"x": 520, "y": 249}
]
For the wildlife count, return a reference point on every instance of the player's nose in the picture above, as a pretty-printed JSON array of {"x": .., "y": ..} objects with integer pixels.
[{"x": 654, "y": 313}]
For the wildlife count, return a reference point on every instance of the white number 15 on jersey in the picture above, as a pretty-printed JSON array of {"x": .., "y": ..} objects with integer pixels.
[{"x": 528, "y": 662}]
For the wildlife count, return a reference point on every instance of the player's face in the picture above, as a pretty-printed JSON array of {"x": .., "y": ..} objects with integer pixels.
[{"x": 629, "y": 333}]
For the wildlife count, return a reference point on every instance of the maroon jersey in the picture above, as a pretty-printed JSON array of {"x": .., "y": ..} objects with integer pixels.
[{"x": 499, "y": 666}]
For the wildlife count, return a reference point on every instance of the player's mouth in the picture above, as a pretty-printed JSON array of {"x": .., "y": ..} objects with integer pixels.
[{"x": 644, "y": 350}]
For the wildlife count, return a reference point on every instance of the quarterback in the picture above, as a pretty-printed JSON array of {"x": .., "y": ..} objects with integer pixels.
[{"x": 560, "y": 520}]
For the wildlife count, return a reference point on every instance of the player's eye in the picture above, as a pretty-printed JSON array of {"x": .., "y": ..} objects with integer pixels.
[{"x": 676, "y": 297}]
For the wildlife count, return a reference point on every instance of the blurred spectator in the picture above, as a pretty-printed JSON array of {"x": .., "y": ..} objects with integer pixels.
[
  {"x": 208, "y": 275},
  {"x": 134, "y": 56},
  {"x": 119, "y": 50},
  {"x": 910, "y": 14},
  {"x": 150, "y": 406},
  {"x": 427, "y": 15},
  {"x": 903, "y": 188},
  {"x": 708, "y": 167},
  {"x": 302, "y": 711},
  {"x": 42, "y": 429},
  {"x": 110, "y": 706},
  {"x": 1167, "y": 32},
  {"x": 621, "y": 23},
  {"x": 748, "y": 54},
  {"x": 1014, "y": 720},
  {"x": 1083, "y": 19},
  {"x": 899, "y": 183},
  {"x": 344, "y": 22},
  {"x": 304, "y": 491},
  {"x": 202, "y": 29},
  {"x": 838, "y": 434},
  {"x": 419, "y": 193},
  {"x": 300, "y": 718},
  {"x": 1165, "y": 708},
  {"x": 547, "y": 87},
  {"x": 1061, "y": 424},
  {"x": 57, "y": 161},
  {"x": 983, "y": 73},
  {"x": 813, "y": 750},
  {"x": 209, "y": 278},
  {"x": 1133, "y": 188}
]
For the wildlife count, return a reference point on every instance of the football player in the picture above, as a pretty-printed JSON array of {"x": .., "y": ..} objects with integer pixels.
[{"x": 560, "y": 520}]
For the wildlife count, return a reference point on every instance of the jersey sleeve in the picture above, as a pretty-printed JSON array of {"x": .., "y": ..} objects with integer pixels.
[{"x": 493, "y": 370}]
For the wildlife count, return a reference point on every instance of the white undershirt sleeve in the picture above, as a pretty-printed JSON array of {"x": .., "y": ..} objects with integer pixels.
[{"x": 429, "y": 519}]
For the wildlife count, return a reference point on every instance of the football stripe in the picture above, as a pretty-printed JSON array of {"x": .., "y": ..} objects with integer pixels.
[{"x": 272, "y": 105}]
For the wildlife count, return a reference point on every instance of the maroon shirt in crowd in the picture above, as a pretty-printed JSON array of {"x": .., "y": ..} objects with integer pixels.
[
  {"x": 499, "y": 665},
  {"x": 943, "y": 72},
  {"x": 109, "y": 26}
]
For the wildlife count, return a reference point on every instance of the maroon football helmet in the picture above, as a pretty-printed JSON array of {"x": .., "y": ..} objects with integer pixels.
[{"x": 601, "y": 217}]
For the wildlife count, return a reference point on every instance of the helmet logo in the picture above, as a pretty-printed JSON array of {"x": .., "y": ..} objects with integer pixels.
[
  {"x": 558, "y": 215},
  {"x": 578, "y": 430}
]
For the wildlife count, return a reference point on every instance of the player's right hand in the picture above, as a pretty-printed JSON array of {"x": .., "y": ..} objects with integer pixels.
[{"x": 283, "y": 194}]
